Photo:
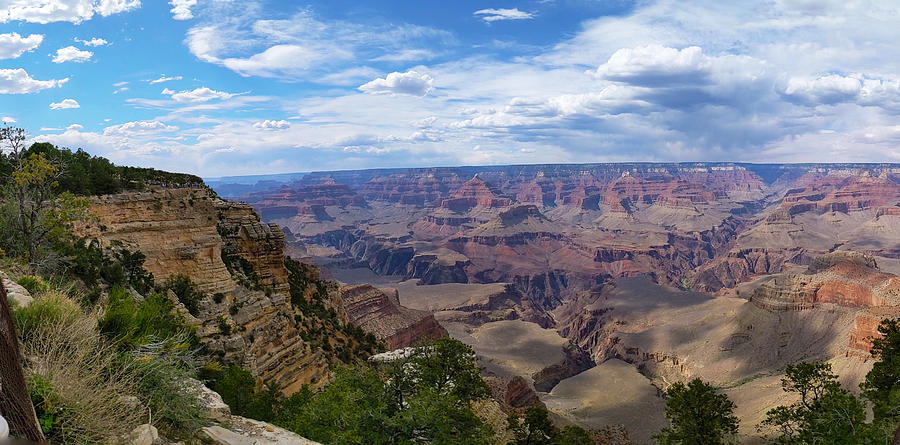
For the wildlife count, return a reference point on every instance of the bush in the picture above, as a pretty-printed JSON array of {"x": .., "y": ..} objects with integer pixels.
[
  {"x": 162, "y": 372},
  {"x": 80, "y": 388},
  {"x": 133, "y": 324},
  {"x": 237, "y": 386},
  {"x": 186, "y": 291},
  {"x": 33, "y": 284},
  {"x": 50, "y": 309}
]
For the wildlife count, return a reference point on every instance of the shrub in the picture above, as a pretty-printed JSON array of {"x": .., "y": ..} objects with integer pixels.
[
  {"x": 162, "y": 372},
  {"x": 50, "y": 309},
  {"x": 81, "y": 389},
  {"x": 237, "y": 386},
  {"x": 33, "y": 284},
  {"x": 186, "y": 291},
  {"x": 133, "y": 324}
]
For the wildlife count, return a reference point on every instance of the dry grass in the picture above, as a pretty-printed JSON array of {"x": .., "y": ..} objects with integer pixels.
[{"x": 91, "y": 390}]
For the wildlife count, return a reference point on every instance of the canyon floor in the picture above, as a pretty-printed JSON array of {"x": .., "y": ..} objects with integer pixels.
[{"x": 599, "y": 285}]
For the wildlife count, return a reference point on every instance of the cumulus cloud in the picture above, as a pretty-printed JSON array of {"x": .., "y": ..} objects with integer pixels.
[
  {"x": 181, "y": 9},
  {"x": 17, "y": 81},
  {"x": 202, "y": 94},
  {"x": 71, "y": 54},
  {"x": 411, "y": 82},
  {"x": 65, "y": 104},
  {"x": 75, "y": 11},
  {"x": 7, "y": 120},
  {"x": 656, "y": 65},
  {"x": 494, "y": 15},
  {"x": 162, "y": 78},
  {"x": 302, "y": 46},
  {"x": 138, "y": 128},
  {"x": 272, "y": 125},
  {"x": 96, "y": 41},
  {"x": 13, "y": 45},
  {"x": 75, "y": 127}
]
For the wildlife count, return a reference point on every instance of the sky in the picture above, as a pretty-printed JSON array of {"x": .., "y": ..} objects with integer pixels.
[{"x": 236, "y": 87}]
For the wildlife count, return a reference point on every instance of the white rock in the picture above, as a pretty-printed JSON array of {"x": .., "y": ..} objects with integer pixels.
[
  {"x": 243, "y": 431},
  {"x": 142, "y": 435},
  {"x": 210, "y": 401},
  {"x": 15, "y": 292}
]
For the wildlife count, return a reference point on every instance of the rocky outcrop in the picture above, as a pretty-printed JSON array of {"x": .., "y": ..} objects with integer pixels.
[
  {"x": 844, "y": 278},
  {"x": 574, "y": 362},
  {"x": 514, "y": 393},
  {"x": 246, "y": 315},
  {"x": 381, "y": 314}
]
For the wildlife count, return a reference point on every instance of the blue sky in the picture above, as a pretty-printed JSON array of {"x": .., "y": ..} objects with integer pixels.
[{"x": 229, "y": 87}]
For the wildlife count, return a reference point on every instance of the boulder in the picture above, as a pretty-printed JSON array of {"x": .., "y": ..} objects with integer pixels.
[
  {"x": 211, "y": 402},
  {"x": 145, "y": 434},
  {"x": 16, "y": 293},
  {"x": 243, "y": 431}
]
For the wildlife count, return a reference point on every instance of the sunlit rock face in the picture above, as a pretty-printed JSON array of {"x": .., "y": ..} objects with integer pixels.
[{"x": 189, "y": 231}]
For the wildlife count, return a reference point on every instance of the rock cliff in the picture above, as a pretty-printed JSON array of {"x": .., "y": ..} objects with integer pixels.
[
  {"x": 248, "y": 320},
  {"x": 381, "y": 314}
]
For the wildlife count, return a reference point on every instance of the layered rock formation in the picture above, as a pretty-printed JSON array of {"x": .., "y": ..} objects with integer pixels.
[
  {"x": 191, "y": 232},
  {"x": 381, "y": 314}
]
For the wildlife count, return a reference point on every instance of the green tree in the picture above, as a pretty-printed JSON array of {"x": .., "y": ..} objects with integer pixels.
[
  {"x": 697, "y": 415},
  {"x": 572, "y": 435},
  {"x": 533, "y": 428},
  {"x": 35, "y": 213},
  {"x": 422, "y": 398},
  {"x": 882, "y": 384},
  {"x": 825, "y": 414}
]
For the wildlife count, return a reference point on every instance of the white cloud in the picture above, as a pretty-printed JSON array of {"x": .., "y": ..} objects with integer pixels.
[
  {"x": 411, "y": 82},
  {"x": 493, "y": 15},
  {"x": 162, "y": 78},
  {"x": 65, "y": 104},
  {"x": 656, "y": 65},
  {"x": 71, "y": 54},
  {"x": 406, "y": 55},
  {"x": 95, "y": 41},
  {"x": 75, "y": 127},
  {"x": 181, "y": 9},
  {"x": 272, "y": 125},
  {"x": 17, "y": 81},
  {"x": 13, "y": 45},
  {"x": 8, "y": 120},
  {"x": 302, "y": 46},
  {"x": 75, "y": 11},
  {"x": 120, "y": 90},
  {"x": 138, "y": 127},
  {"x": 202, "y": 94},
  {"x": 120, "y": 84}
]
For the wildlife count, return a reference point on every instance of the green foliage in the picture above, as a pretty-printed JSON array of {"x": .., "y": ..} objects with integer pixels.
[
  {"x": 92, "y": 265},
  {"x": 423, "y": 398},
  {"x": 52, "y": 308},
  {"x": 132, "y": 324},
  {"x": 572, "y": 435},
  {"x": 35, "y": 211},
  {"x": 33, "y": 284},
  {"x": 162, "y": 369},
  {"x": 238, "y": 389},
  {"x": 352, "y": 409},
  {"x": 882, "y": 384},
  {"x": 534, "y": 428},
  {"x": 697, "y": 415},
  {"x": 826, "y": 413},
  {"x": 47, "y": 406},
  {"x": 186, "y": 291},
  {"x": 83, "y": 174}
]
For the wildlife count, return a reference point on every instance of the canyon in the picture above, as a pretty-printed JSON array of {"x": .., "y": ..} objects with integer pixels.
[{"x": 571, "y": 281}]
